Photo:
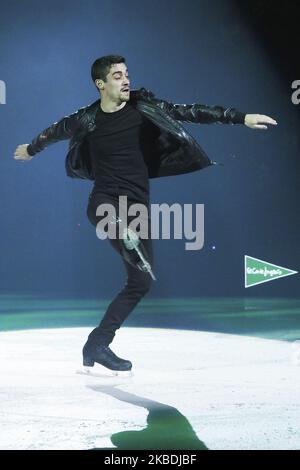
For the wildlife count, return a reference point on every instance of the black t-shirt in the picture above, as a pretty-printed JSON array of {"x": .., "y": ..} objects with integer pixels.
[{"x": 120, "y": 146}]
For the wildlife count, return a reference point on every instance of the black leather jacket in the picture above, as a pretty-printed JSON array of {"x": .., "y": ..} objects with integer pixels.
[{"x": 176, "y": 151}]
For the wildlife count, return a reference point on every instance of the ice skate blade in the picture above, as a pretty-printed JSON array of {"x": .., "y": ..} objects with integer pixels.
[
  {"x": 103, "y": 372},
  {"x": 132, "y": 241}
]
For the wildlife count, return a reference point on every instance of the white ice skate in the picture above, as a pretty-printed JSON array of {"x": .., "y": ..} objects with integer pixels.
[{"x": 133, "y": 242}]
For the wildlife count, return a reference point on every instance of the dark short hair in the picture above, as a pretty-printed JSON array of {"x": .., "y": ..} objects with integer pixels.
[{"x": 101, "y": 67}]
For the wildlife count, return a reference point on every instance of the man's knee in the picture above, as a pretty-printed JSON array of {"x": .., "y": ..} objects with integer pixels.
[
  {"x": 140, "y": 284},
  {"x": 147, "y": 283}
]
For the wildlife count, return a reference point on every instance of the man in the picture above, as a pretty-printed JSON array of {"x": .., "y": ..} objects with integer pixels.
[{"x": 119, "y": 142}]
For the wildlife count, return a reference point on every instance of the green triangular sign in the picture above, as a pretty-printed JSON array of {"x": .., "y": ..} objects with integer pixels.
[{"x": 258, "y": 271}]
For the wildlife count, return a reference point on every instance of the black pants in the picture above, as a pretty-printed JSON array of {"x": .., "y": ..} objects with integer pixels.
[{"x": 137, "y": 283}]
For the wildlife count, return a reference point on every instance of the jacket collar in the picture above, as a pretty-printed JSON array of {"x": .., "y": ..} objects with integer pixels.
[{"x": 136, "y": 94}]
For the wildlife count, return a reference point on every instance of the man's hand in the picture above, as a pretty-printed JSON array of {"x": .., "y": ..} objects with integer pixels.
[
  {"x": 21, "y": 153},
  {"x": 259, "y": 121}
]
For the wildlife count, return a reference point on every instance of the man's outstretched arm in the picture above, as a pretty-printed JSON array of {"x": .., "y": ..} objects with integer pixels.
[
  {"x": 61, "y": 130},
  {"x": 205, "y": 114}
]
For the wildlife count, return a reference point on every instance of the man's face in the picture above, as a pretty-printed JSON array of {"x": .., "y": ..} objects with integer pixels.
[{"x": 116, "y": 81}]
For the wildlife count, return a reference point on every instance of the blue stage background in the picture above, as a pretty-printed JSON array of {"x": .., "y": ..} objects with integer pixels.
[{"x": 185, "y": 52}]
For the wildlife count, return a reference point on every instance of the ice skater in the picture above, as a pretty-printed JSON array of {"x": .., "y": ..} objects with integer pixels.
[{"x": 119, "y": 142}]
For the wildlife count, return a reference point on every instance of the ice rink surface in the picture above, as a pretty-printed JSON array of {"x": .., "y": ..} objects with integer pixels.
[{"x": 190, "y": 390}]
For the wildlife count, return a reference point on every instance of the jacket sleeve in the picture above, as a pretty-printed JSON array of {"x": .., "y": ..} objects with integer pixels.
[
  {"x": 61, "y": 130},
  {"x": 201, "y": 113}
]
